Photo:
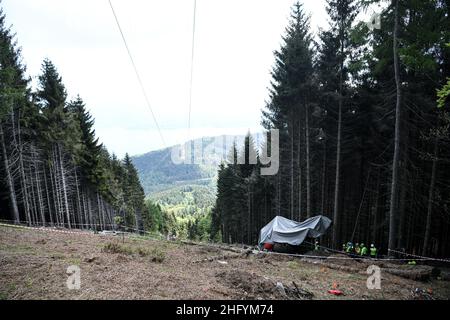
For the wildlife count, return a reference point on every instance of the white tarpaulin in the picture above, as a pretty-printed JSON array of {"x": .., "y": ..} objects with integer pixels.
[{"x": 283, "y": 230}]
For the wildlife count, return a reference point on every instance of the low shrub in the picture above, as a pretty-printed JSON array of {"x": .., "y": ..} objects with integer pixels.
[
  {"x": 116, "y": 248},
  {"x": 155, "y": 254}
]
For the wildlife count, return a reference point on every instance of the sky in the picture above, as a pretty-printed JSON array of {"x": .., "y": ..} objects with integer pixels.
[{"x": 235, "y": 40}]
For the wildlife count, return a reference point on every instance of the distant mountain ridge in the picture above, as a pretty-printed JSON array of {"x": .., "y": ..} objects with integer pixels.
[{"x": 157, "y": 172}]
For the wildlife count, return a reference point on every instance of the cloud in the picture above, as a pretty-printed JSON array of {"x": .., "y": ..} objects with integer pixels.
[
  {"x": 138, "y": 141},
  {"x": 235, "y": 41}
]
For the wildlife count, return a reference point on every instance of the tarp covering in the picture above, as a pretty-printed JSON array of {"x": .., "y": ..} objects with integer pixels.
[{"x": 283, "y": 230}]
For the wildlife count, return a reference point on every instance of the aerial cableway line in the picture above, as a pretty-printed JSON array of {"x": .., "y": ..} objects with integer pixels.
[{"x": 144, "y": 92}]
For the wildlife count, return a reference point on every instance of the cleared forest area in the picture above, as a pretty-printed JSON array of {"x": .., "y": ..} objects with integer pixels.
[{"x": 33, "y": 265}]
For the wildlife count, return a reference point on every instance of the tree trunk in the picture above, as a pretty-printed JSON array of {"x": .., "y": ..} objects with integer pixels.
[
  {"x": 23, "y": 177},
  {"x": 64, "y": 186},
  {"x": 426, "y": 241},
  {"x": 292, "y": 170},
  {"x": 336, "y": 219},
  {"x": 78, "y": 200},
  {"x": 249, "y": 214},
  {"x": 86, "y": 221},
  {"x": 57, "y": 193},
  {"x": 24, "y": 187},
  {"x": 100, "y": 212},
  {"x": 38, "y": 186},
  {"x": 279, "y": 193},
  {"x": 91, "y": 222},
  {"x": 397, "y": 151},
  {"x": 9, "y": 179},
  {"x": 54, "y": 192},
  {"x": 308, "y": 164},
  {"x": 300, "y": 184},
  {"x": 402, "y": 210},
  {"x": 48, "y": 198},
  {"x": 103, "y": 211},
  {"x": 324, "y": 176},
  {"x": 33, "y": 196},
  {"x": 404, "y": 177},
  {"x": 375, "y": 209}
]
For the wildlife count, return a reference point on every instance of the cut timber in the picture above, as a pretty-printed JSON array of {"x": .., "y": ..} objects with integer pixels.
[
  {"x": 418, "y": 272},
  {"x": 421, "y": 273},
  {"x": 221, "y": 257},
  {"x": 343, "y": 268},
  {"x": 253, "y": 286},
  {"x": 445, "y": 275},
  {"x": 222, "y": 247}
]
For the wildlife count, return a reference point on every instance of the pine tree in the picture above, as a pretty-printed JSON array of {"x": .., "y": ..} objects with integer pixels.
[
  {"x": 134, "y": 193},
  {"x": 290, "y": 100},
  {"x": 56, "y": 171},
  {"x": 89, "y": 153},
  {"x": 342, "y": 14}
]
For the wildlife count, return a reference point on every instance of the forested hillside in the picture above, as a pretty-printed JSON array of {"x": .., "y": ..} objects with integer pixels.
[
  {"x": 54, "y": 171},
  {"x": 362, "y": 139},
  {"x": 157, "y": 172},
  {"x": 186, "y": 200},
  {"x": 180, "y": 196}
]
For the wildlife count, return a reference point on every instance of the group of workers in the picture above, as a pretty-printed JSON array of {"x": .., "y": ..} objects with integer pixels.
[
  {"x": 357, "y": 249},
  {"x": 360, "y": 249}
]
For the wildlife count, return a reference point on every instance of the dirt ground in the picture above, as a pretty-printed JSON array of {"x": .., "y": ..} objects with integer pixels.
[{"x": 33, "y": 265}]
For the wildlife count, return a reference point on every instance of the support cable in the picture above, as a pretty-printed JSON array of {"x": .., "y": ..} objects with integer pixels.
[{"x": 144, "y": 92}]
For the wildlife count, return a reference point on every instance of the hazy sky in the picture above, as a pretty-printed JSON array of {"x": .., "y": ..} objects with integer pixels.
[{"x": 235, "y": 41}]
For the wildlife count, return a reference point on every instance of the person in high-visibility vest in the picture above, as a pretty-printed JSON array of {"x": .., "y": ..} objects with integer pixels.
[
  {"x": 316, "y": 245},
  {"x": 344, "y": 247},
  {"x": 357, "y": 249},
  {"x": 349, "y": 247},
  {"x": 373, "y": 251},
  {"x": 364, "y": 250}
]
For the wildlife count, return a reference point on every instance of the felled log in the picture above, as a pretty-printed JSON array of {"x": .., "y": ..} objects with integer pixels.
[
  {"x": 217, "y": 246},
  {"x": 420, "y": 273},
  {"x": 343, "y": 268},
  {"x": 445, "y": 275},
  {"x": 417, "y": 272},
  {"x": 221, "y": 257}
]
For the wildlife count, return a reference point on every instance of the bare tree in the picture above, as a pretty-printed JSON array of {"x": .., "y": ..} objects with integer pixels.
[
  {"x": 426, "y": 241},
  {"x": 9, "y": 178},
  {"x": 397, "y": 151}
]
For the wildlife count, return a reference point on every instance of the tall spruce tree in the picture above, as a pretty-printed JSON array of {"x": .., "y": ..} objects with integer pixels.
[
  {"x": 287, "y": 110},
  {"x": 134, "y": 193},
  {"x": 342, "y": 14},
  {"x": 89, "y": 153}
]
